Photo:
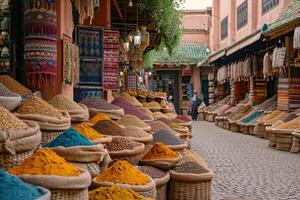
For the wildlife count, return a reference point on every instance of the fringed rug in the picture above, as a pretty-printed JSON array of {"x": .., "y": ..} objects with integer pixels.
[{"x": 40, "y": 43}]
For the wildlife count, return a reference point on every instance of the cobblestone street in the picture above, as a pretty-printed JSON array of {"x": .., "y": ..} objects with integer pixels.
[{"x": 245, "y": 167}]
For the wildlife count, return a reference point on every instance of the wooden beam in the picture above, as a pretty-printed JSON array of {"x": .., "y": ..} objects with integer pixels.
[{"x": 116, "y": 4}]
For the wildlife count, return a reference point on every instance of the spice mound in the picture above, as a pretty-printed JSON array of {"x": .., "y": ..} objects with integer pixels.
[
  {"x": 114, "y": 193},
  {"x": 11, "y": 187},
  {"x": 69, "y": 138},
  {"x": 97, "y": 118},
  {"x": 160, "y": 151},
  {"x": 45, "y": 162},
  {"x": 129, "y": 108},
  {"x": 293, "y": 124},
  {"x": 88, "y": 132},
  {"x": 6, "y": 92},
  {"x": 167, "y": 138},
  {"x": 153, "y": 172},
  {"x": 131, "y": 120},
  {"x": 123, "y": 172},
  {"x": 146, "y": 111},
  {"x": 36, "y": 105},
  {"x": 184, "y": 118},
  {"x": 9, "y": 121},
  {"x": 122, "y": 143},
  {"x": 132, "y": 131},
  {"x": 14, "y": 85},
  {"x": 158, "y": 115},
  {"x": 109, "y": 127},
  {"x": 158, "y": 125},
  {"x": 98, "y": 103},
  {"x": 153, "y": 104},
  {"x": 62, "y": 102},
  {"x": 190, "y": 167}
]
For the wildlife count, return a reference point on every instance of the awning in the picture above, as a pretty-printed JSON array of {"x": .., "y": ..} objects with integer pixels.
[
  {"x": 244, "y": 42},
  {"x": 203, "y": 63},
  {"x": 215, "y": 56}
]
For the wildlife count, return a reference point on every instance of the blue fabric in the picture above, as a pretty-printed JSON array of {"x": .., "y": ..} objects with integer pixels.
[
  {"x": 252, "y": 117},
  {"x": 13, "y": 188},
  {"x": 70, "y": 138}
]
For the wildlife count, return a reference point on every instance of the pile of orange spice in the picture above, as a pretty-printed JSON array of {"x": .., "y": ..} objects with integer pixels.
[
  {"x": 88, "y": 132},
  {"x": 160, "y": 151}
]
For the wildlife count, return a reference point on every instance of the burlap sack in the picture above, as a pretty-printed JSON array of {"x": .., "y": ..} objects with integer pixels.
[
  {"x": 82, "y": 154},
  {"x": 104, "y": 140},
  {"x": 13, "y": 141},
  {"x": 178, "y": 147},
  {"x": 49, "y": 123},
  {"x": 189, "y": 177},
  {"x": 81, "y": 115},
  {"x": 113, "y": 114},
  {"x": 46, "y": 194},
  {"x": 127, "y": 152},
  {"x": 10, "y": 103},
  {"x": 162, "y": 163},
  {"x": 60, "y": 182},
  {"x": 137, "y": 188},
  {"x": 144, "y": 140}
]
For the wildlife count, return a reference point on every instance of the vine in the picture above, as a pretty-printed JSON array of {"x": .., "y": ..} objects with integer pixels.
[{"x": 167, "y": 18}]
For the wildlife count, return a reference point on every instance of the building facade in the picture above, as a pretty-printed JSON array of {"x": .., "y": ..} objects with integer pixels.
[{"x": 233, "y": 20}]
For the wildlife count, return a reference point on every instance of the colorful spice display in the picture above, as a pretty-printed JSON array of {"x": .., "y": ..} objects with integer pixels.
[
  {"x": 131, "y": 120},
  {"x": 14, "y": 86},
  {"x": 158, "y": 115},
  {"x": 290, "y": 117},
  {"x": 131, "y": 99},
  {"x": 129, "y": 108},
  {"x": 114, "y": 193},
  {"x": 6, "y": 92},
  {"x": 252, "y": 117},
  {"x": 160, "y": 151},
  {"x": 69, "y": 138},
  {"x": 98, "y": 117},
  {"x": 158, "y": 125},
  {"x": 122, "y": 143},
  {"x": 109, "y": 127},
  {"x": 153, "y": 104},
  {"x": 165, "y": 120},
  {"x": 153, "y": 172},
  {"x": 167, "y": 138},
  {"x": 62, "y": 102},
  {"x": 293, "y": 124},
  {"x": 88, "y": 132},
  {"x": 12, "y": 187},
  {"x": 146, "y": 111},
  {"x": 98, "y": 103},
  {"x": 123, "y": 172},
  {"x": 190, "y": 167},
  {"x": 136, "y": 132},
  {"x": 184, "y": 118},
  {"x": 10, "y": 121},
  {"x": 36, "y": 105},
  {"x": 45, "y": 162}
]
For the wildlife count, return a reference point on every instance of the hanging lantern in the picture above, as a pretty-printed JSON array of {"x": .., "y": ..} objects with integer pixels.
[
  {"x": 145, "y": 38},
  {"x": 130, "y": 36},
  {"x": 125, "y": 45},
  {"x": 137, "y": 40},
  {"x": 297, "y": 38}
]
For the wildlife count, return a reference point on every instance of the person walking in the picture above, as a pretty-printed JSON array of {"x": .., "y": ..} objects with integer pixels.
[{"x": 195, "y": 101}]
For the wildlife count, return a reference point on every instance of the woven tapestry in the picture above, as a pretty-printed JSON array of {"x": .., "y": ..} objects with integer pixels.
[
  {"x": 70, "y": 62},
  {"x": 40, "y": 43}
]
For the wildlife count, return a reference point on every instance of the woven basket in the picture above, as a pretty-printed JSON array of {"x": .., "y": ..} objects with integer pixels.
[
  {"x": 201, "y": 116},
  {"x": 226, "y": 125},
  {"x": 251, "y": 130},
  {"x": 272, "y": 139},
  {"x": 296, "y": 143},
  {"x": 210, "y": 117},
  {"x": 234, "y": 127},
  {"x": 8, "y": 161},
  {"x": 284, "y": 141},
  {"x": 49, "y": 136},
  {"x": 80, "y": 194},
  {"x": 260, "y": 131},
  {"x": 161, "y": 187},
  {"x": 180, "y": 190},
  {"x": 132, "y": 157}
]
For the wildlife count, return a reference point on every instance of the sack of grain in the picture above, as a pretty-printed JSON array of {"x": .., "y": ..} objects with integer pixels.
[{"x": 8, "y": 99}]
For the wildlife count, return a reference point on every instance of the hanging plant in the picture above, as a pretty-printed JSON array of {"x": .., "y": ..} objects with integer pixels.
[{"x": 167, "y": 18}]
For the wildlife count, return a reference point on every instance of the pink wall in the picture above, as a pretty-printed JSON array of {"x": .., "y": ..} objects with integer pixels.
[
  {"x": 223, "y": 8},
  {"x": 195, "y": 38}
]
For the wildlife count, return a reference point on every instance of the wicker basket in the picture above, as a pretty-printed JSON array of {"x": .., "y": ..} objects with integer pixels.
[
  {"x": 296, "y": 143},
  {"x": 272, "y": 139},
  {"x": 234, "y": 127},
  {"x": 81, "y": 194},
  {"x": 49, "y": 136},
  {"x": 201, "y": 116},
  {"x": 260, "y": 131},
  {"x": 8, "y": 161},
  {"x": 251, "y": 130},
  {"x": 210, "y": 117},
  {"x": 181, "y": 190},
  {"x": 284, "y": 141}
]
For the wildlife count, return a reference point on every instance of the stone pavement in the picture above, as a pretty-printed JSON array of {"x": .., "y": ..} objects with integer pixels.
[{"x": 245, "y": 168}]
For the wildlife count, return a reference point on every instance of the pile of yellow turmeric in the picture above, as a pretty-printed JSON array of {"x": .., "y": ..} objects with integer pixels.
[
  {"x": 97, "y": 118},
  {"x": 88, "y": 132},
  {"x": 113, "y": 192},
  {"x": 45, "y": 162},
  {"x": 123, "y": 172},
  {"x": 160, "y": 151}
]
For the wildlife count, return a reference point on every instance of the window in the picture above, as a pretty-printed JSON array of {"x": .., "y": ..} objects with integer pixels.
[
  {"x": 268, "y": 5},
  {"x": 224, "y": 28},
  {"x": 242, "y": 15}
]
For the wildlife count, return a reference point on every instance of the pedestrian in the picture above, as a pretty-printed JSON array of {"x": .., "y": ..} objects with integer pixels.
[{"x": 195, "y": 101}]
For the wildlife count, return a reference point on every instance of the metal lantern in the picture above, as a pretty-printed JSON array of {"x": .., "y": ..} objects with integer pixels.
[
  {"x": 126, "y": 45},
  {"x": 137, "y": 40}
]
